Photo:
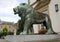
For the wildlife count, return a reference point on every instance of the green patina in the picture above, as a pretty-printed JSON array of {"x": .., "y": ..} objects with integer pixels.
[{"x": 30, "y": 16}]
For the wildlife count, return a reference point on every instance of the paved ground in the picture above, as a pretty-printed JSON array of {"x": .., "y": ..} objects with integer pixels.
[
  {"x": 3, "y": 40},
  {"x": 31, "y": 38},
  {"x": 56, "y": 40}
]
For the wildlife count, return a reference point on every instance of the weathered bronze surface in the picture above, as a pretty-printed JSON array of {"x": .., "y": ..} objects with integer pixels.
[{"x": 29, "y": 16}]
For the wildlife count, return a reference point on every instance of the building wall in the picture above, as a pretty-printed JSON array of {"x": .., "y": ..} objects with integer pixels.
[
  {"x": 55, "y": 16},
  {"x": 10, "y": 28}
]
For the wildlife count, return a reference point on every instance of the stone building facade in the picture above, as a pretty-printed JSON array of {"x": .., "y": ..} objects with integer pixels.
[{"x": 11, "y": 27}]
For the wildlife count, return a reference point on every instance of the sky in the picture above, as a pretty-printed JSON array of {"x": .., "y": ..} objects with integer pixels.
[{"x": 6, "y": 10}]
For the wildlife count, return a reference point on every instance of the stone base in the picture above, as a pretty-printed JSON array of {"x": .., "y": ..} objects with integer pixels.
[{"x": 30, "y": 38}]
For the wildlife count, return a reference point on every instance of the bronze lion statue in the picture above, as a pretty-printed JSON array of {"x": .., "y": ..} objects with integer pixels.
[{"x": 29, "y": 16}]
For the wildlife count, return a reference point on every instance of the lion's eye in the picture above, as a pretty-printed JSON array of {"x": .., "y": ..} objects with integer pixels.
[{"x": 23, "y": 3}]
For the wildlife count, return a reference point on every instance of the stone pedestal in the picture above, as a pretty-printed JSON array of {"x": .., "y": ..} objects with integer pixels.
[{"x": 30, "y": 38}]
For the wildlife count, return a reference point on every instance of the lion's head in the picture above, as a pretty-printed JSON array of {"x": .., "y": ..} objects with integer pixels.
[{"x": 23, "y": 8}]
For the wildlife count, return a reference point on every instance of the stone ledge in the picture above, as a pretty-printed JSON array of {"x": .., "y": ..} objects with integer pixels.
[{"x": 25, "y": 38}]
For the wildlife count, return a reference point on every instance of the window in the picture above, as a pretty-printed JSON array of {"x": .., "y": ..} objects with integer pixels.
[{"x": 56, "y": 8}]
